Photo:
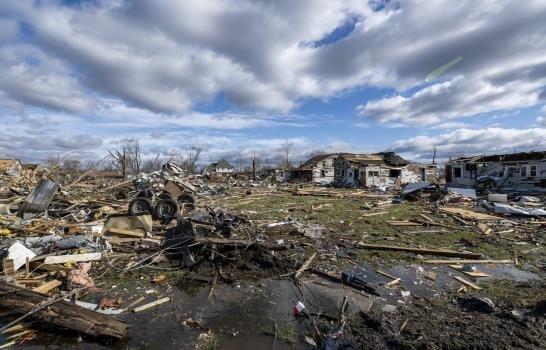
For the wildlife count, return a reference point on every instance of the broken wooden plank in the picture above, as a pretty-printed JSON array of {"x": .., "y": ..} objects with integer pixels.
[
  {"x": 61, "y": 313},
  {"x": 61, "y": 259},
  {"x": 376, "y": 213},
  {"x": 441, "y": 252},
  {"x": 135, "y": 302},
  {"x": 468, "y": 214},
  {"x": 125, "y": 232},
  {"x": 152, "y": 304},
  {"x": 403, "y": 223},
  {"x": 467, "y": 282},
  {"x": 305, "y": 265},
  {"x": 46, "y": 287},
  {"x": 469, "y": 273},
  {"x": 393, "y": 282},
  {"x": 386, "y": 274},
  {"x": 35, "y": 265},
  {"x": 428, "y": 219},
  {"x": 469, "y": 261}
]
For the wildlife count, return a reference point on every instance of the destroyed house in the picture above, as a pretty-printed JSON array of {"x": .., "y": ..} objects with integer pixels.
[
  {"x": 372, "y": 170},
  {"x": 221, "y": 167},
  {"x": 425, "y": 172},
  {"x": 523, "y": 172},
  {"x": 318, "y": 169},
  {"x": 10, "y": 164}
]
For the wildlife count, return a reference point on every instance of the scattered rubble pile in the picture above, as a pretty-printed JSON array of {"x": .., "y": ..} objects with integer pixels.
[{"x": 62, "y": 235}]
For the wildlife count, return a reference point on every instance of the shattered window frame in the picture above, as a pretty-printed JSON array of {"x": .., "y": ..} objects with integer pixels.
[
  {"x": 533, "y": 170},
  {"x": 458, "y": 170}
]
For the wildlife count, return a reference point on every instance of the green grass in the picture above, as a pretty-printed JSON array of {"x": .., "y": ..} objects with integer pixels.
[{"x": 343, "y": 217}]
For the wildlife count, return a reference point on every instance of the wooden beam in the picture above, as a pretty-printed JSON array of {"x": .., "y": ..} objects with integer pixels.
[
  {"x": 441, "y": 252},
  {"x": 128, "y": 233},
  {"x": 152, "y": 304},
  {"x": 46, "y": 287},
  {"x": 61, "y": 313},
  {"x": 61, "y": 259},
  {"x": 305, "y": 265},
  {"x": 468, "y": 261},
  {"x": 467, "y": 282},
  {"x": 35, "y": 265}
]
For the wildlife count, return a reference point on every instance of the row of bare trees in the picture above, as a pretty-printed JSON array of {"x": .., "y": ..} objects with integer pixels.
[{"x": 127, "y": 159}]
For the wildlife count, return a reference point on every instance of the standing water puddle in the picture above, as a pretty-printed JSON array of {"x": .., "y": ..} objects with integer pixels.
[{"x": 244, "y": 316}]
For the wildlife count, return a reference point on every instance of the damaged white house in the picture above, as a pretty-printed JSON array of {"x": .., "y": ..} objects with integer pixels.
[
  {"x": 368, "y": 170},
  {"x": 318, "y": 169},
  {"x": 373, "y": 170},
  {"x": 523, "y": 172}
]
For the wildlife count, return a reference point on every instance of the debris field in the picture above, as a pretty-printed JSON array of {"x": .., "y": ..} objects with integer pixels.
[{"x": 169, "y": 260}]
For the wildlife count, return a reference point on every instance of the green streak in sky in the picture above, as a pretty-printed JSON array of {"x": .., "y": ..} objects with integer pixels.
[{"x": 437, "y": 72}]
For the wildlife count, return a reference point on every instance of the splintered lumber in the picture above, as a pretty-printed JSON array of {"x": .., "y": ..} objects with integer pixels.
[
  {"x": 61, "y": 313},
  {"x": 467, "y": 282},
  {"x": 35, "y": 265},
  {"x": 428, "y": 219},
  {"x": 393, "y": 282},
  {"x": 61, "y": 259},
  {"x": 376, "y": 213},
  {"x": 403, "y": 223},
  {"x": 46, "y": 287},
  {"x": 469, "y": 273},
  {"x": 7, "y": 345},
  {"x": 386, "y": 274},
  {"x": 305, "y": 265},
  {"x": 152, "y": 304},
  {"x": 16, "y": 328},
  {"x": 128, "y": 233},
  {"x": 468, "y": 261},
  {"x": 135, "y": 303},
  {"x": 468, "y": 214},
  {"x": 441, "y": 252}
]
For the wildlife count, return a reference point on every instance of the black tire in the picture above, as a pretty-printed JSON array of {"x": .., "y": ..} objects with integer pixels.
[
  {"x": 165, "y": 195},
  {"x": 166, "y": 208},
  {"x": 188, "y": 200},
  {"x": 140, "y": 205}
]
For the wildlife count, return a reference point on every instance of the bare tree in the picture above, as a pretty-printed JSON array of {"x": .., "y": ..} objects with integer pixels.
[
  {"x": 133, "y": 150},
  {"x": 127, "y": 158},
  {"x": 71, "y": 166},
  {"x": 287, "y": 149},
  {"x": 151, "y": 165},
  {"x": 239, "y": 160},
  {"x": 193, "y": 155},
  {"x": 253, "y": 167},
  {"x": 54, "y": 161}
]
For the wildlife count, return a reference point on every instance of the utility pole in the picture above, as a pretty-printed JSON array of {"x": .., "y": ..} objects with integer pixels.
[{"x": 254, "y": 167}]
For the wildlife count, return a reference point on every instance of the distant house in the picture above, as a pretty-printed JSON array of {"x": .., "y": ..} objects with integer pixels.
[
  {"x": 373, "y": 170},
  {"x": 10, "y": 164},
  {"x": 368, "y": 170},
  {"x": 425, "y": 172},
  {"x": 221, "y": 167},
  {"x": 318, "y": 169},
  {"x": 523, "y": 172}
]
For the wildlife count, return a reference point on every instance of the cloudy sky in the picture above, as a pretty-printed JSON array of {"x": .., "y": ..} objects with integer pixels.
[{"x": 244, "y": 76}]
